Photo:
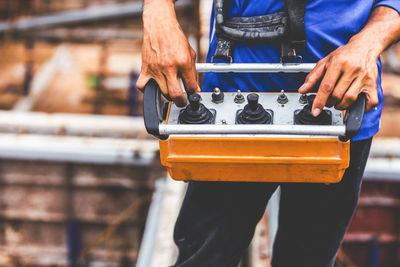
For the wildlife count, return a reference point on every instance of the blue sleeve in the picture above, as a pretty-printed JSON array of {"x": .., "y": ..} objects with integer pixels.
[{"x": 395, "y": 4}]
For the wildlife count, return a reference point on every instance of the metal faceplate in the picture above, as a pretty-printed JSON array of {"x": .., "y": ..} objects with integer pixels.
[{"x": 283, "y": 114}]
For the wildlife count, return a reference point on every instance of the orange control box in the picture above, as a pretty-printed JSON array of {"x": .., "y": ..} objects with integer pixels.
[
  {"x": 255, "y": 158},
  {"x": 258, "y": 159}
]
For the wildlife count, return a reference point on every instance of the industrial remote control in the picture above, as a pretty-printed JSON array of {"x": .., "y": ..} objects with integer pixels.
[
  {"x": 251, "y": 136},
  {"x": 221, "y": 108}
]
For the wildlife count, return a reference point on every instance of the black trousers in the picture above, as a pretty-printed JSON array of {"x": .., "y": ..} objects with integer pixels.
[{"x": 217, "y": 219}]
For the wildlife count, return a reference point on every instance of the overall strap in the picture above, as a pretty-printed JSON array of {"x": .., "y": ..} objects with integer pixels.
[
  {"x": 285, "y": 27},
  {"x": 296, "y": 10},
  {"x": 296, "y": 39}
]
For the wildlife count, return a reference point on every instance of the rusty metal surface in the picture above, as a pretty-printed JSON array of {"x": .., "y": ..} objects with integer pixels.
[
  {"x": 375, "y": 227},
  {"x": 39, "y": 198},
  {"x": 93, "y": 13}
]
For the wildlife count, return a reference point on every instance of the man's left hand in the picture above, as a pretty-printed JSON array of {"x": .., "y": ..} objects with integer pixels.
[
  {"x": 351, "y": 69},
  {"x": 344, "y": 74}
]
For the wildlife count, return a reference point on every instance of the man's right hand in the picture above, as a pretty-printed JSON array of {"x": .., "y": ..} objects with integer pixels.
[{"x": 166, "y": 52}]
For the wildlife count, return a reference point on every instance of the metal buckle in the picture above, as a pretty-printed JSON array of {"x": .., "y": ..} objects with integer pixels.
[
  {"x": 224, "y": 50},
  {"x": 290, "y": 56},
  {"x": 225, "y": 58}
]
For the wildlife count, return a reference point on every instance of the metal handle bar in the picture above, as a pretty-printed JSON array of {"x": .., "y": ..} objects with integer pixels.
[
  {"x": 152, "y": 116},
  {"x": 255, "y": 67},
  {"x": 167, "y": 129}
]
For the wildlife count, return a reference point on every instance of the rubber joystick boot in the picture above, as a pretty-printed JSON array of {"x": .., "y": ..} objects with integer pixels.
[
  {"x": 305, "y": 116},
  {"x": 195, "y": 112},
  {"x": 253, "y": 112}
]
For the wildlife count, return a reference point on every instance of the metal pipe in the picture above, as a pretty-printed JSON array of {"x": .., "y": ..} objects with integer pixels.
[
  {"x": 167, "y": 129},
  {"x": 88, "y": 35},
  {"x": 78, "y": 149},
  {"x": 273, "y": 213},
  {"x": 254, "y": 67},
  {"x": 383, "y": 169},
  {"x": 85, "y": 15},
  {"x": 385, "y": 148},
  {"x": 148, "y": 244},
  {"x": 71, "y": 124}
]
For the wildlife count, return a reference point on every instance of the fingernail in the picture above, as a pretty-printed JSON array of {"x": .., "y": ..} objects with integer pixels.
[
  {"x": 303, "y": 86},
  {"x": 316, "y": 112}
]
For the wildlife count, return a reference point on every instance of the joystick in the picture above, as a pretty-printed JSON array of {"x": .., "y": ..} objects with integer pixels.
[
  {"x": 253, "y": 112},
  {"x": 304, "y": 116},
  {"x": 195, "y": 112}
]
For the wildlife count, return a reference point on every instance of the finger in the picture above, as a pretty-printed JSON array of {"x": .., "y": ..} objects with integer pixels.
[
  {"x": 175, "y": 90},
  {"x": 144, "y": 78},
  {"x": 340, "y": 89},
  {"x": 372, "y": 99},
  {"x": 162, "y": 83},
  {"x": 189, "y": 79},
  {"x": 351, "y": 95},
  {"x": 312, "y": 78},
  {"x": 325, "y": 89},
  {"x": 142, "y": 81}
]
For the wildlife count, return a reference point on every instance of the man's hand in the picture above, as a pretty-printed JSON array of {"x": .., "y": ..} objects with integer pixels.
[
  {"x": 166, "y": 53},
  {"x": 351, "y": 69},
  {"x": 345, "y": 73}
]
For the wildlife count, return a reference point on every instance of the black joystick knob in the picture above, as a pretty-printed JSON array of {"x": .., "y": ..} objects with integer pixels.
[
  {"x": 195, "y": 112},
  {"x": 194, "y": 102},
  {"x": 253, "y": 112},
  {"x": 305, "y": 116},
  {"x": 252, "y": 99}
]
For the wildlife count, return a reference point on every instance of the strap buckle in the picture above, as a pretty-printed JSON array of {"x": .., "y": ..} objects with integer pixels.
[
  {"x": 289, "y": 54},
  {"x": 223, "y": 51}
]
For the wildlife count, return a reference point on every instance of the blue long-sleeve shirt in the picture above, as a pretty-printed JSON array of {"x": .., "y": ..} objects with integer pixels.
[{"x": 329, "y": 24}]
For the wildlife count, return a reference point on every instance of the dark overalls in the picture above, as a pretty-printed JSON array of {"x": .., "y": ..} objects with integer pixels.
[{"x": 217, "y": 219}]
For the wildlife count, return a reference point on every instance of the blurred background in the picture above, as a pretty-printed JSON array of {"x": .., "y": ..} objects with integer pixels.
[{"x": 80, "y": 180}]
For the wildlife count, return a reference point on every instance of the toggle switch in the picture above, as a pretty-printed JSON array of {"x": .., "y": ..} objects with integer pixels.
[
  {"x": 239, "y": 98},
  {"x": 282, "y": 98},
  {"x": 303, "y": 99},
  {"x": 217, "y": 96}
]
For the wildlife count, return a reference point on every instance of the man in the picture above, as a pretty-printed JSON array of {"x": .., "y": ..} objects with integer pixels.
[{"x": 346, "y": 38}]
